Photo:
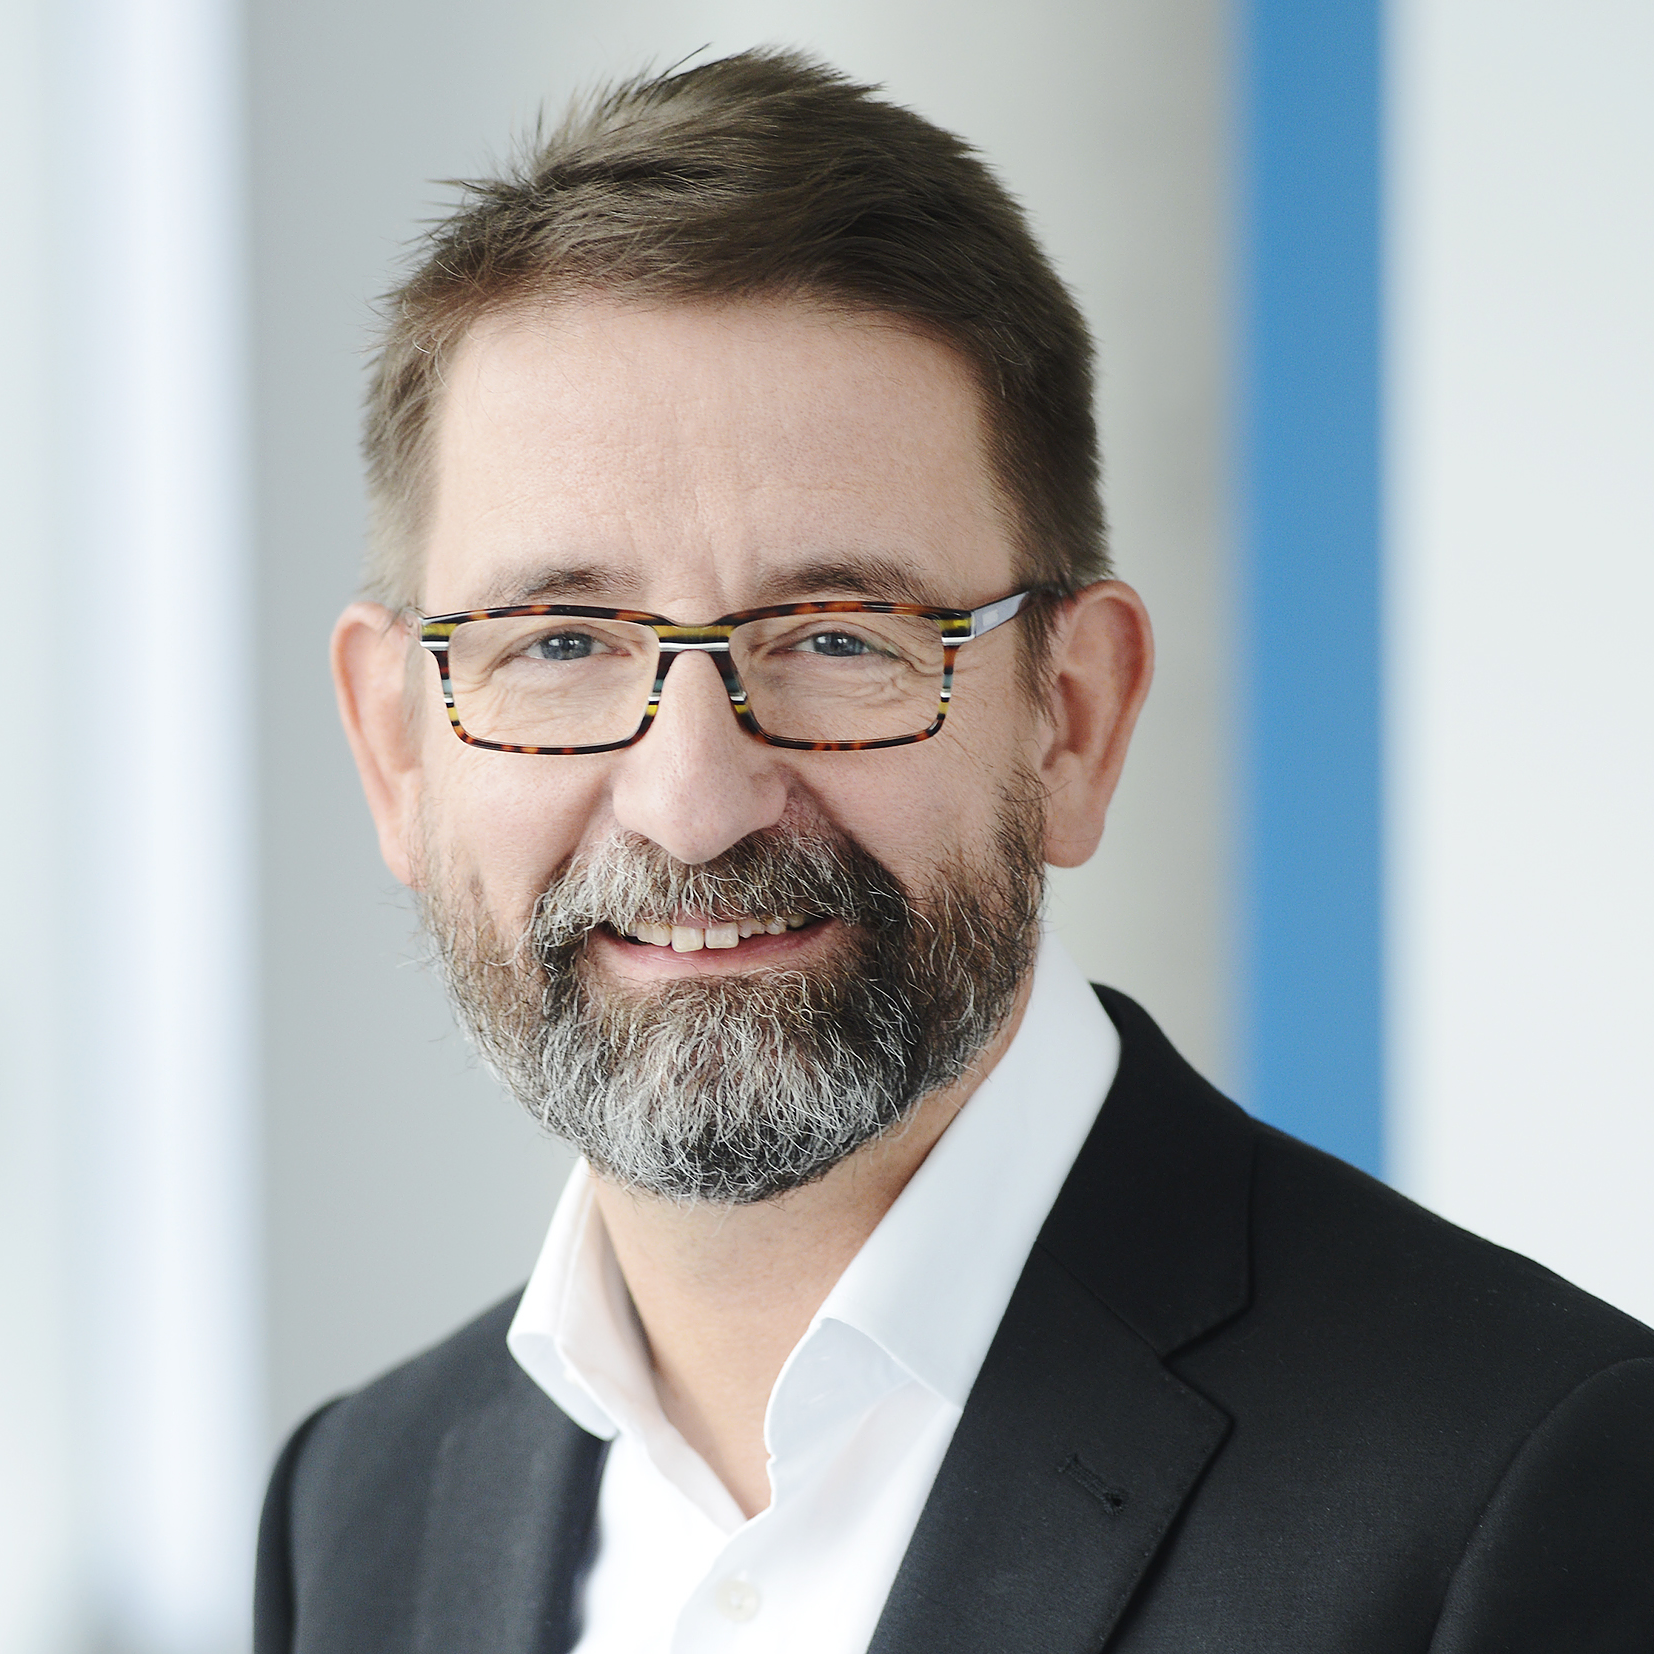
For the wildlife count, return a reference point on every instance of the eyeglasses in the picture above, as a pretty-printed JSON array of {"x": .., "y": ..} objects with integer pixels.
[{"x": 819, "y": 677}]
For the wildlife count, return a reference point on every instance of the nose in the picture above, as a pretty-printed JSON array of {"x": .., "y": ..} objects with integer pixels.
[{"x": 697, "y": 783}]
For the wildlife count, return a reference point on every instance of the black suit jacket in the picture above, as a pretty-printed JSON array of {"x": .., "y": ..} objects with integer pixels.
[{"x": 1243, "y": 1399}]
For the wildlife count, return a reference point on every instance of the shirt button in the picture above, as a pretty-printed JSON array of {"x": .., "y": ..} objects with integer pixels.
[{"x": 737, "y": 1600}]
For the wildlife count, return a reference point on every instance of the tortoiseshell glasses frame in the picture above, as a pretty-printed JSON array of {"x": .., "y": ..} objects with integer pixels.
[{"x": 957, "y": 627}]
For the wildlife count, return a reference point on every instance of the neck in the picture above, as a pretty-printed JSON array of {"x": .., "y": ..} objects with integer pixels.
[{"x": 725, "y": 1293}]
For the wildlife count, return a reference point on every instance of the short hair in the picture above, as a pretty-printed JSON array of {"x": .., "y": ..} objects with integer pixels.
[{"x": 764, "y": 175}]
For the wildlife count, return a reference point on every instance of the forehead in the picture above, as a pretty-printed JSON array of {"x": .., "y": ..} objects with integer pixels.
[{"x": 719, "y": 456}]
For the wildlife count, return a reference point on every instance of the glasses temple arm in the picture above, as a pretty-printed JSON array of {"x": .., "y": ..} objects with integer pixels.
[{"x": 991, "y": 615}]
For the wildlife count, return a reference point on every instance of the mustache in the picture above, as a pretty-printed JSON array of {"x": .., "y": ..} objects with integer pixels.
[{"x": 628, "y": 880}]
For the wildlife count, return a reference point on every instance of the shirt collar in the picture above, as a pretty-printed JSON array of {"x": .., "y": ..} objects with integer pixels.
[
  {"x": 931, "y": 1283},
  {"x": 575, "y": 1332}
]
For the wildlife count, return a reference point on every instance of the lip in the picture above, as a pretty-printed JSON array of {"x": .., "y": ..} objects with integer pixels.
[{"x": 642, "y": 962}]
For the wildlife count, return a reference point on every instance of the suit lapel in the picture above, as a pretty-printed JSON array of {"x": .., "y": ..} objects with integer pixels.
[
  {"x": 1073, "y": 1458},
  {"x": 508, "y": 1528},
  {"x": 1078, "y": 1446}
]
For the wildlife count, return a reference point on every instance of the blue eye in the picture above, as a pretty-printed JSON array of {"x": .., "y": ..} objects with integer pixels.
[
  {"x": 559, "y": 646},
  {"x": 840, "y": 645}
]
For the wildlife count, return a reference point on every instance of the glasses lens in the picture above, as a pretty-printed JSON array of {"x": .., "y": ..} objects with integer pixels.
[
  {"x": 841, "y": 677},
  {"x": 550, "y": 680}
]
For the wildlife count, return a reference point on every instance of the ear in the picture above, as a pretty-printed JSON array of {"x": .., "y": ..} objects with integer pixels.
[
  {"x": 1101, "y": 663},
  {"x": 370, "y": 654}
]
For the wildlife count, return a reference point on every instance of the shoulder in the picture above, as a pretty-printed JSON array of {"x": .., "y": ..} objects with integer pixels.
[
  {"x": 1442, "y": 1397},
  {"x": 373, "y": 1455},
  {"x": 367, "y": 1435},
  {"x": 1312, "y": 1255},
  {"x": 1335, "y": 1246},
  {"x": 347, "y": 1525},
  {"x": 1425, "y": 1429}
]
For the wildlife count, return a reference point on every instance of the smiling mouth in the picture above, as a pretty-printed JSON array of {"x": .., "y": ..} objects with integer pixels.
[{"x": 727, "y": 933}]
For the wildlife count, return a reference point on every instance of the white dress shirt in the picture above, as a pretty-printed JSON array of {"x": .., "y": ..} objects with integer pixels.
[{"x": 864, "y": 1407}]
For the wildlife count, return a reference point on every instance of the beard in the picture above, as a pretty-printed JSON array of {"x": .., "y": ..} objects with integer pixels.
[{"x": 738, "y": 1087}]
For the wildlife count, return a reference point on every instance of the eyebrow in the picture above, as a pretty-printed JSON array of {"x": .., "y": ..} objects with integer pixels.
[
  {"x": 878, "y": 579},
  {"x": 545, "y": 584}
]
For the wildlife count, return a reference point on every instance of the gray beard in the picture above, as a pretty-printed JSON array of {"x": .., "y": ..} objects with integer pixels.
[{"x": 737, "y": 1088}]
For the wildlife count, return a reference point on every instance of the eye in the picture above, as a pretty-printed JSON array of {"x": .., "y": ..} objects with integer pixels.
[
  {"x": 837, "y": 645},
  {"x": 563, "y": 646}
]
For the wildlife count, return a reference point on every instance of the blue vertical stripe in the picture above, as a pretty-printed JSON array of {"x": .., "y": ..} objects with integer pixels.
[{"x": 1310, "y": 519}]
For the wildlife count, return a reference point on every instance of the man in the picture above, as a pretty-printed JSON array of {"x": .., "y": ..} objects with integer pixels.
[{"x": 744, "y": 649}]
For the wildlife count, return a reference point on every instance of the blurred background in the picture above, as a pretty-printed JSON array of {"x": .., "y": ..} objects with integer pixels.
[{"x": 1371, "y": 281}]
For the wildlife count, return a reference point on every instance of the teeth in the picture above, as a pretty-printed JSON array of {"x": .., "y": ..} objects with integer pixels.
[{"x": 731, "y": 933}]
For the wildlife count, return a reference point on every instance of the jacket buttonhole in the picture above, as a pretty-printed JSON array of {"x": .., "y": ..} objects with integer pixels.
[{"x": 1112, "y": 1499}]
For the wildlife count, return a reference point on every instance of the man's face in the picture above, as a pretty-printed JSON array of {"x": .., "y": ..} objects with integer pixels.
[{"x": 689, "y": 462}]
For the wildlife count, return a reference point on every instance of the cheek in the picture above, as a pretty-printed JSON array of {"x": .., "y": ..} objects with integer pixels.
[
  {"x": 509, "y": 821},
  {"x": 914, "y": 808}
]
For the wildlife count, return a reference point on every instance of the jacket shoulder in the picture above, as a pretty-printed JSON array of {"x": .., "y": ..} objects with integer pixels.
[
  {"x": 346, "y": 1534},
  {"x": 1182, "y": 1198},
  {"x": 423, "y": 1393},
  {"x": 1327, "y": 1234},
  {"x": 1427, "y": 1430},
  {"x": 365, "y": 1447}
]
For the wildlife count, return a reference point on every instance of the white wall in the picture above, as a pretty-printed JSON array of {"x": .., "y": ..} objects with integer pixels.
[
  {"x": 132, "y": 1372},
  {"x": 1521, "y": 624},
  {"x": 38, "y": 1530},
  {"x": 403, "y": 1193}
]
